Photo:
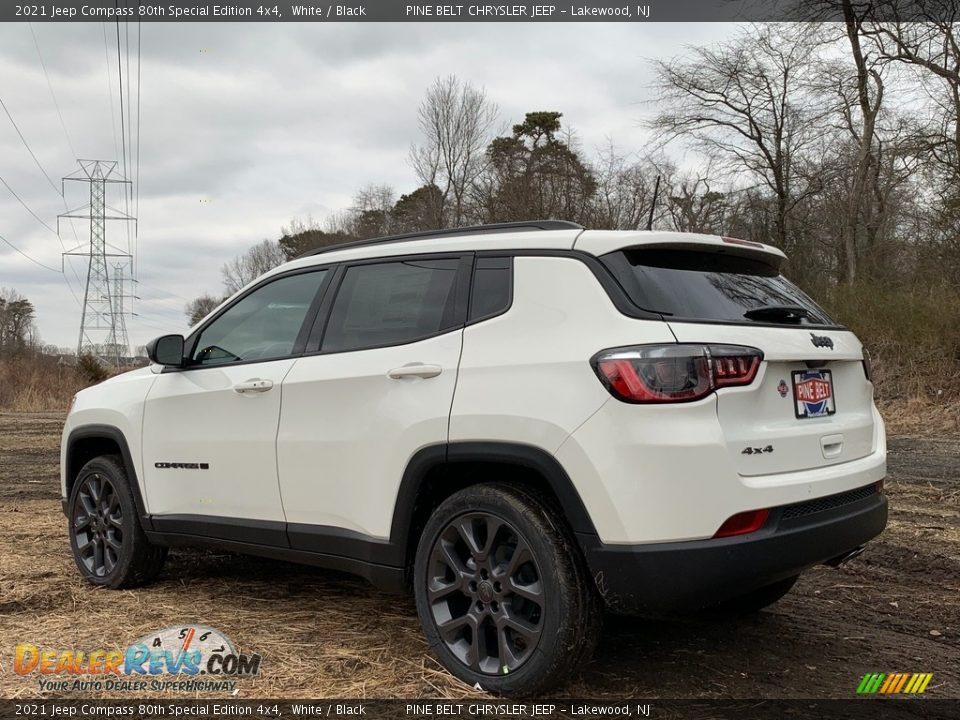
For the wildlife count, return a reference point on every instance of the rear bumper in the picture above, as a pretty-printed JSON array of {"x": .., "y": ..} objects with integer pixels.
[{"x": 677, "y": 576}]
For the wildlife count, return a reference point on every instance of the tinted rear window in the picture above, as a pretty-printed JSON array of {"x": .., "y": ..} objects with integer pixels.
[{"x": 691, "y": 285}]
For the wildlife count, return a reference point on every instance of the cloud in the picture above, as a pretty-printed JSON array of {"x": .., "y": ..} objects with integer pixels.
[{"x": 245, "y": 125}]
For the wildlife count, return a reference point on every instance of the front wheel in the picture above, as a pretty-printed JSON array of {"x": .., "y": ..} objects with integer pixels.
[
  {"x": 107, "y": 541},
  {"x": 503, "y": 593}
]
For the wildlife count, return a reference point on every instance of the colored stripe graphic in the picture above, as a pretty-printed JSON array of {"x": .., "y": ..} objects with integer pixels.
[{"x": 894, "y": 683}]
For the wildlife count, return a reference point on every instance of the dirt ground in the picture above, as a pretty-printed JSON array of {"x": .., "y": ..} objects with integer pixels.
[{"x": 322, "y": 634}]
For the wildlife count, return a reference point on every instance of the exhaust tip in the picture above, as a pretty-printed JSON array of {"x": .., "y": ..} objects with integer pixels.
[{"x": 845, "y": 558}]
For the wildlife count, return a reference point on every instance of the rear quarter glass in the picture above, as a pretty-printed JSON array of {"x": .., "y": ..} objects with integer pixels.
[{"x": 705, "y": 285}]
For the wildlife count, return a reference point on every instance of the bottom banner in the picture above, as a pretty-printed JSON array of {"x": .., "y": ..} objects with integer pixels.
[{"x": 854, "y": 709}]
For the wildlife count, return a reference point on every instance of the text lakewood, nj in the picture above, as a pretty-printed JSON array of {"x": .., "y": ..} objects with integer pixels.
[{"x": 546, "y": 11}]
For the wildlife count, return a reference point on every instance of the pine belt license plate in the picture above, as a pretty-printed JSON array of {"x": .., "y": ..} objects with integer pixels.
[{"x": 813, "y": 393}]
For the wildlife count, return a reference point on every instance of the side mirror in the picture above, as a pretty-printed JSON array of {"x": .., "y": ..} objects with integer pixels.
[{"x": 166, "y": 350}]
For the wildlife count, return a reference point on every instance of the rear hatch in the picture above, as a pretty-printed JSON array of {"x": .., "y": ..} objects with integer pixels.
[{"x": 811, "y": 403}]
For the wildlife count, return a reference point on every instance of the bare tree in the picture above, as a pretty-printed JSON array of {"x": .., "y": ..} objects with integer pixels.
[
  {"x": 930, "y": 46},
  {"x": 198, "y": 308},
  {"x": 695, "y": 205},
  {"x": 457, "y": 121},
  {"x": 625, "y": 186},
  {"x": 245, "y": 268},
  {"x": 869, "y": 93},
  {"x": 372, "y": 211},
  {"x": 744, "y": 103}
]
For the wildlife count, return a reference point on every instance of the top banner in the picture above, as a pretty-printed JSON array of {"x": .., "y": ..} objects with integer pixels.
[{"x": 513, "y": 11}]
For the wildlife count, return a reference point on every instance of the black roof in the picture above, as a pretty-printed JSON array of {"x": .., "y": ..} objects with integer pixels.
[{"x": 526, "y": 225}]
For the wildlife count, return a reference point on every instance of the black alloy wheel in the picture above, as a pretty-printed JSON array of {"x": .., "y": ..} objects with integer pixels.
[
  {"x": 486, "y": 594},
  {"x": 503, "y": 591},
  {"x": 98, "y": 525},
  {"x": 109, "y": 546}
]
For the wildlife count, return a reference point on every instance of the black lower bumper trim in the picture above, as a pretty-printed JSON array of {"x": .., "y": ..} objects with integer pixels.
[{"x": 682, "y": 576}]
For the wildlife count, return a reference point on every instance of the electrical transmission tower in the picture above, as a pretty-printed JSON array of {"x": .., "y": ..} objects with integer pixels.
[
  {"x": 103, "y": 331},
  {"x": 118, "y": 344}
]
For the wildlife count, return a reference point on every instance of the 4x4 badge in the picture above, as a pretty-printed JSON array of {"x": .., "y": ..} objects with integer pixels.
[{"x": 821, "y": 341}]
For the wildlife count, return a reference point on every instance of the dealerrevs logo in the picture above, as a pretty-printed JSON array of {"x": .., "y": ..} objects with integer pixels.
[{"x": 171, "y": 659}]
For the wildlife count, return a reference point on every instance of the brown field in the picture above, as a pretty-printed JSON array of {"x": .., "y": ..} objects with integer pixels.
[{"x": 321, "y": 634}]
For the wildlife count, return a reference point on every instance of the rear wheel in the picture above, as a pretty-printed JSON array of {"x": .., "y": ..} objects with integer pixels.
[
  {"x": 754, "y": 601},
  {"x": 503, "y": 593},
  {"x": 108, "y": 543}
]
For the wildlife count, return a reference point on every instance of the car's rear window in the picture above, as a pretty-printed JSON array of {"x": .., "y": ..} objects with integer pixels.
[{"x": 710, "y": 286}]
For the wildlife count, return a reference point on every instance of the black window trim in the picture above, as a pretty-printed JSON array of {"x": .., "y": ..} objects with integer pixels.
[
  {"x": 314, "y": 342},
  {"x": 189, "y": 345}
]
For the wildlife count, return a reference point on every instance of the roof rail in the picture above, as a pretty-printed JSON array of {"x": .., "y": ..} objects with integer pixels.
[{"x": 525, "y": 225}]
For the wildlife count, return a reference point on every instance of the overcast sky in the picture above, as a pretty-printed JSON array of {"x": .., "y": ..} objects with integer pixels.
[{"x": 245, "y": 126}]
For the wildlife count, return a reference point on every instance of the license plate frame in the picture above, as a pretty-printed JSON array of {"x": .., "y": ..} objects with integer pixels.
[{"x": 813, "y": 394}]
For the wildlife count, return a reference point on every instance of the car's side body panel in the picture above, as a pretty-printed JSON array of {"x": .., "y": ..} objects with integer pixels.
[
  {"x": 348, "y": 430},
  {"x": 525, "y": 376}
]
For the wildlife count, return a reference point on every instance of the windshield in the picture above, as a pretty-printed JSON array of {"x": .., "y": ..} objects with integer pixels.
[{"x": 706, "y": 285}]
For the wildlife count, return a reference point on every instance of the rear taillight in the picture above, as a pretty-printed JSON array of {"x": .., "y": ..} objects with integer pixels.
[
  {"x": 674, "y": 373},
  {"x": 743, "y": 523}
]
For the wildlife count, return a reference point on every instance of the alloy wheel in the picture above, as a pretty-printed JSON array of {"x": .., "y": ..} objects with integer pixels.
[
  {"x": 486, "y": 594},
  {"x": 98, "y": 525}
]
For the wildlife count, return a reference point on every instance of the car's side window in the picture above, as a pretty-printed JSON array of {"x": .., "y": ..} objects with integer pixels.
[
  {"x": 391, "y": 303},
  {"x": 264, "y": 325},
  {"x": 491, "y": 292}
]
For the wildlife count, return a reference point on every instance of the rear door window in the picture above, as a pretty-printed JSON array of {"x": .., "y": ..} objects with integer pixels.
[
  {"x": 712, "y": 287},
  {"x": 391, "y": 303}
]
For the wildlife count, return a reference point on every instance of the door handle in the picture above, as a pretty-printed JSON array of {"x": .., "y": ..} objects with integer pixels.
[
  {"x": 415, "y": 370},
  {"x": 255, "y": 385}
]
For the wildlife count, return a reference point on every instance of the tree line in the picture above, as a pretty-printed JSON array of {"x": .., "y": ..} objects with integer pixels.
[{"x": 838, "y": 142}]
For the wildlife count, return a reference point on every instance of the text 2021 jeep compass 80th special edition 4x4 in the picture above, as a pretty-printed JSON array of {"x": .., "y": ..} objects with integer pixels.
[{"x": 526, "y": 423}]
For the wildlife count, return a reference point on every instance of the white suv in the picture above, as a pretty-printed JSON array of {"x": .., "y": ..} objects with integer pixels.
[{"x": 525, "y": 422}]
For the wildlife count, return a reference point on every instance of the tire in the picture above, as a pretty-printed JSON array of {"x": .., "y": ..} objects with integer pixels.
[
  {"x": 503, "y": 592},
  {"x": 106, "y": 539},
  {"x": 753, "y": 601}
]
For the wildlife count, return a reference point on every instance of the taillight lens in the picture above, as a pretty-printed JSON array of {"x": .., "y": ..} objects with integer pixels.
[{"x": 674, "y": 373}]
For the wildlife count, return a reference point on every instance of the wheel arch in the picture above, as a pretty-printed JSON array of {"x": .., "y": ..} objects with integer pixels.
[
  {"x": 437, "y": 471},
  {"x": 89, "y": 441}
]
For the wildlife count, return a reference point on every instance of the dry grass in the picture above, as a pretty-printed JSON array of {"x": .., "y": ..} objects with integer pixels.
[
  {"x": 38, "y": 383},
  {"x": 324, "y": 633},
  {"x": 921, "y": 416}
]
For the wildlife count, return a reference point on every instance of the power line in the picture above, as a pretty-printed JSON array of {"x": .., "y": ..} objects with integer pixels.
[
  {"x": 27, "y": 146},
  {"x": 26, "y": 207},
  {"x": 123, "y": 131},
  {"x": 113, "y": 118},
  {"x": 136, "y": 187},
  {"x": 59, "y": 239},
  {"x": 31, "y": 259},
  {"x": 53, "y": 95},
  {"x": 124, "y": 118}
]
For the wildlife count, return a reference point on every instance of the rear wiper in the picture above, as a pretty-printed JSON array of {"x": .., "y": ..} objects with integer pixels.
[{"x": 784, "y": 313}]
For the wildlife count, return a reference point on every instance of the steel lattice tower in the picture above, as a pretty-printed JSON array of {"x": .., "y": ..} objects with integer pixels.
[
  {"x": 118, "y": 345},
  {"x": 103, "y": 331}
]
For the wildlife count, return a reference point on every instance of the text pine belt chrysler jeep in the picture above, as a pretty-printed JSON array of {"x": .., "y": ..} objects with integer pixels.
[{"x": 525, "y": 423}]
